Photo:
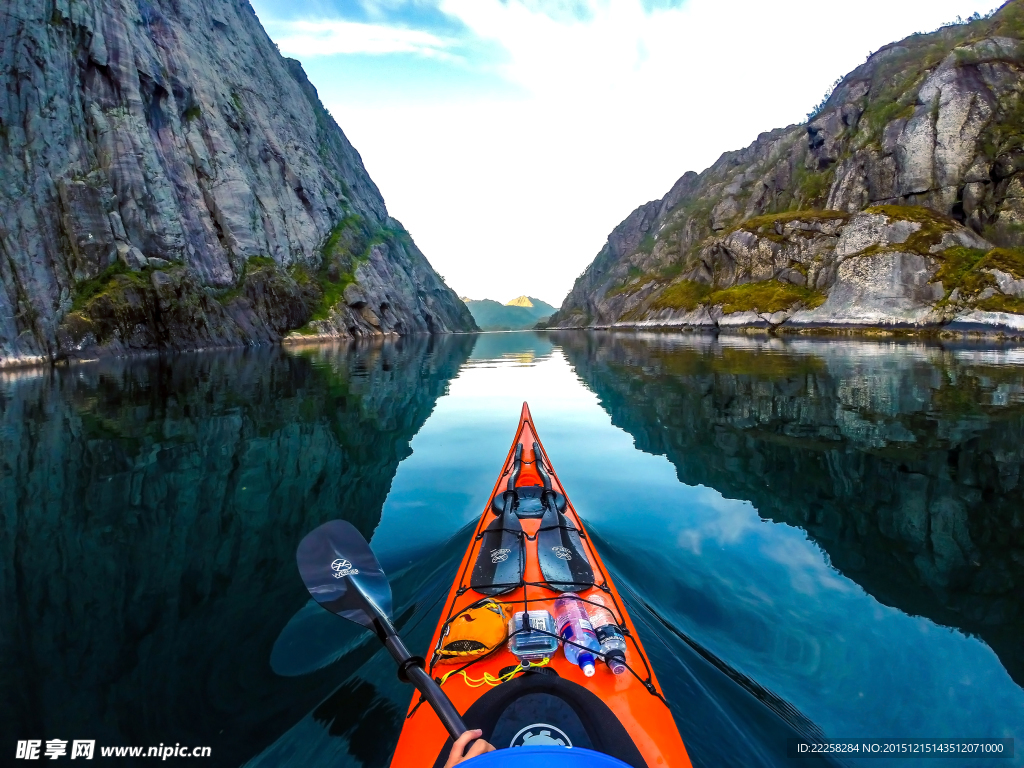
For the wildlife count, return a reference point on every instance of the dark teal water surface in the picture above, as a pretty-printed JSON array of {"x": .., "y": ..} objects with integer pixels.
[{"x": 813, "y": 536}]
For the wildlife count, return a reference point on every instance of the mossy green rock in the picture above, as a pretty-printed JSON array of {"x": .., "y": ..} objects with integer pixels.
[{"x": 171, "y": 309}]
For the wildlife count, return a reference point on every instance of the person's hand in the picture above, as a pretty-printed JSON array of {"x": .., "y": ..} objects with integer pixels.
[{"x": 479, "y": 747}]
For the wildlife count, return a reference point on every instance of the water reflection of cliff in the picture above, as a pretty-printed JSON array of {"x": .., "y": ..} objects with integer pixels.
[
  {"x": 149, "y": 513},
  {"x": 903, "y": 462}
]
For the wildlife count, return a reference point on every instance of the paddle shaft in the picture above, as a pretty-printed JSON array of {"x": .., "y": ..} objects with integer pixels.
[
  {"x": 410, "y": 668},
  {"x": 411, "y": 671}
]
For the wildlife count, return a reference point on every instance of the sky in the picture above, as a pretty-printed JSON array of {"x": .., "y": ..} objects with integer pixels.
[{"x": 511, "y": 136}]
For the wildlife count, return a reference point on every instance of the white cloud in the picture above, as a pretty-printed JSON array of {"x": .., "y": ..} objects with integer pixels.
[
  {"x": 515, "y": 195},
  {"x": 721, "y": 521},
  {"x": 710, "y": 48},
  {"x": 563, "y": 56},
  {"x": 329, "y": 37}
]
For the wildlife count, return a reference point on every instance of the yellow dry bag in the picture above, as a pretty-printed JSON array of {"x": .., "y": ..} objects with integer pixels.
[{"x": 474, "y": 632}]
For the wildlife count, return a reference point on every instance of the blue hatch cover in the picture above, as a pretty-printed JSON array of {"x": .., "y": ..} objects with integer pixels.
[{"x": 545, "y": 757}]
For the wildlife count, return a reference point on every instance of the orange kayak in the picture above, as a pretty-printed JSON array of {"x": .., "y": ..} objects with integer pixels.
[{"x": 551, "y": 701}]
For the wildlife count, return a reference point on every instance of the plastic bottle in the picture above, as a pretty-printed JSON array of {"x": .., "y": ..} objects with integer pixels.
[
  {"x": 574, "y": 625},
  {"x": 534, "y": 641},
  {"x": 613, "y": 642}
]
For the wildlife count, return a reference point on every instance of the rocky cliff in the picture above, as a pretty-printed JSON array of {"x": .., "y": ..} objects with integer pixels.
[
  {"x": 149, "y": 515},
  {"x": 899, "y": 204},
  {"x": 168, "y": 181},
  {"x": 909, "y": 481}
]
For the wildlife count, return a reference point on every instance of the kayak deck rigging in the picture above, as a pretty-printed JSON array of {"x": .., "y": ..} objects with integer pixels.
[
  {"x": 647, "y": 680},
  {"x": 623, "y": 715}
]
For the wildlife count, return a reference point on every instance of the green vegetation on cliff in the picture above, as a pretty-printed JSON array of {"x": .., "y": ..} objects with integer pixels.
[
  {"x": 767, "y": 223},
  {"x": 347, "y": 246},
  {"x": 111, "y": 283},
  {"x": 965, "y": 276},
  {"x": 933, "y": 226},
  {"x": 685, "y": 294},
  {"x": 767, "y": 296}
]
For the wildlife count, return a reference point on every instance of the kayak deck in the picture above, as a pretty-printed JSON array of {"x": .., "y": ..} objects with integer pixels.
[{"x": 634, "y": 698}]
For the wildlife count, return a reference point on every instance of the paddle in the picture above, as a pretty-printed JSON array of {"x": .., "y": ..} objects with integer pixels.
[{"x": 341, "y": 573}]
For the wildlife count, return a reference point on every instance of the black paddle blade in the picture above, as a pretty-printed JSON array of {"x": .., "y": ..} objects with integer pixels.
[
  {"x": 562, "y": 562},
  {"x": 499, "y": 565},
  {"x": 341, "y": 573}
]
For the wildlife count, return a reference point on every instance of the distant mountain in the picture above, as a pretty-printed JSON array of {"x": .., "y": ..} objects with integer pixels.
[
  {"x": 524, "y": 301},
  {"x": 540, "y": 308},
  {"x": 519, "y": 314}
]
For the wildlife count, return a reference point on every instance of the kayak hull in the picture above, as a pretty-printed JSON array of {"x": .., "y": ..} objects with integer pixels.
[{"x": 635, "y": 701}]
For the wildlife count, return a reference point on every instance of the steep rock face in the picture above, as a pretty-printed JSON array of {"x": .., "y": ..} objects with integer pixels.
[
  {"x": 933, "y": 121},
  {"x": 908, "y": 480},
  {"x": 149, "y": 513},
  {"x": 152, "y": 152}
]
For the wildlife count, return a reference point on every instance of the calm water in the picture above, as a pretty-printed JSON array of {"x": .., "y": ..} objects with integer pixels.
[{"x": 813, "y": 536}]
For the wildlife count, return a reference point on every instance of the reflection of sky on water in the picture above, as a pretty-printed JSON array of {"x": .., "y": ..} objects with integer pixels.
[
  {"x": 459, "y": 452},
  {"x": 758, "y": 594}
]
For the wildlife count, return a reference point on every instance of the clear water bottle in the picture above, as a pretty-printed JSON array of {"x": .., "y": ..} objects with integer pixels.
[
  {"x": 609, "y": 634},
  {"x": 532, "y": 637},
  {"x": 574, "y": 626}
]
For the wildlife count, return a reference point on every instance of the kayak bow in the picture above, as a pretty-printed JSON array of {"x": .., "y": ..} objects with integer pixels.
[{"x": 529, "y": 547}]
